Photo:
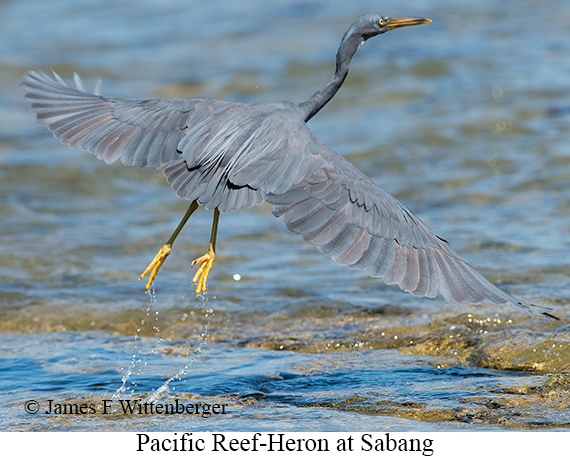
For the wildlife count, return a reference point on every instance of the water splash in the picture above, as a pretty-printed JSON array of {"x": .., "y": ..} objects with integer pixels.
[
  {"x": 136, "y": 359},
  {"x": 192, "y": 352}
]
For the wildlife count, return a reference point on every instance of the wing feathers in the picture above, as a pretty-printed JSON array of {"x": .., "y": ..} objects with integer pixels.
[
  {"x": 349, "y": 218},
  {"x": 110, "y": 128},
  {"x": 356, "y": 250}
]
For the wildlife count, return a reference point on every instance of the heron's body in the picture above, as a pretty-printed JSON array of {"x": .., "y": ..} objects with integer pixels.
[
  {"x": 225, "y": 156},
  {"x": 240, "y": 154}
]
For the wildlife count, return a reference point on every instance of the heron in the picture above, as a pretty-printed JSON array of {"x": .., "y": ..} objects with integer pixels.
[{"x": 223, "y": 156}]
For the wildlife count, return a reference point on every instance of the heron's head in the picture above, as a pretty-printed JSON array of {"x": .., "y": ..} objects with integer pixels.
[{"x": 371, "y": 25}]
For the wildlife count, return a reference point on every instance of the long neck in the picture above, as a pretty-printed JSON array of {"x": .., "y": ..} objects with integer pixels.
[{"x": 348, "y": 47}]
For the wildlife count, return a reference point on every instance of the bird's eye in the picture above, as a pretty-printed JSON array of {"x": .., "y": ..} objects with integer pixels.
[{"x": 381, "y": 22}]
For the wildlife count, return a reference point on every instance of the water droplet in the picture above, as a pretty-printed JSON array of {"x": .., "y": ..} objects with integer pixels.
[{"x": 497, "y": 92}]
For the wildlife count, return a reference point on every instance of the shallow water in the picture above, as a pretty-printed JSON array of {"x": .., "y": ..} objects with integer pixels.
[{"x": 466, "y": 120}]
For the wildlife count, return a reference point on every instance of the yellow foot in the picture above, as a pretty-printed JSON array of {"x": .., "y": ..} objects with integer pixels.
[
  {"x": 156, "y": 264},
  {"x": 201, "y": 275}
]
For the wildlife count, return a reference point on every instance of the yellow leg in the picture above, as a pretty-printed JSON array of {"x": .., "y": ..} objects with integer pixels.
[
  {"x": 207, "y": 259},
  {"x": 167, "y": 248}
]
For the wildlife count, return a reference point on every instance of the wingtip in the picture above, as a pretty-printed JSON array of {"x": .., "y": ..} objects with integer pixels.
[
  {"x": 550, "y": 316},
  {"x": 539, "y": 310}
]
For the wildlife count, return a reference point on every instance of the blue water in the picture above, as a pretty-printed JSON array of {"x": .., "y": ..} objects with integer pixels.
[{"x": 466, "y": 120}]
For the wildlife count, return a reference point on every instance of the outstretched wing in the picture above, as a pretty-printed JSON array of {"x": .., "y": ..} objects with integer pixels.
[
  {"x": 349, "y": 218},
  {"x": 144, "y": 133},
  {"x": 223, "y": 155}
]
